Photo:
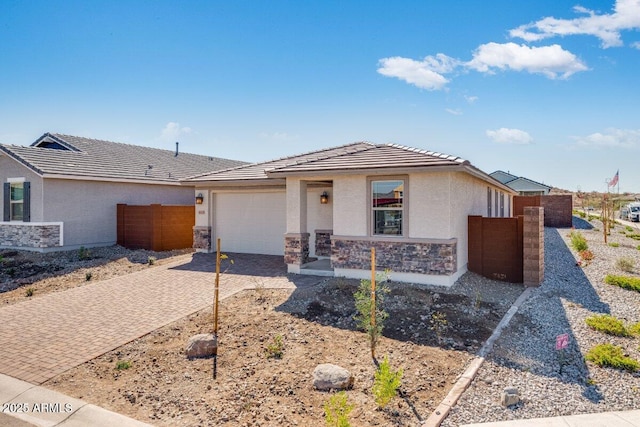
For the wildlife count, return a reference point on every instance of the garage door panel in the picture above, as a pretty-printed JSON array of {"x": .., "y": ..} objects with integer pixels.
[{"x": 251, "y": 223}]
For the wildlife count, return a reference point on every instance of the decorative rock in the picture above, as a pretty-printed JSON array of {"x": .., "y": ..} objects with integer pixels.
[
  {"x": 201, "y": 345},
  {"x": 331, "y": 377},
  {"x": 510, "y": 396}
]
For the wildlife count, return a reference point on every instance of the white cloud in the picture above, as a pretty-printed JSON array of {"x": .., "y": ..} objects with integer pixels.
[
  {"x": 425, "y": 74},
  {"x": 172, "y": 131},
  {"x": 606, "y": 27},
  {"x": 551, "y": 61},
  {"x": 635, "y": 45},
  {"x": 471, "y": 99},
  {"x": 612, "y": 138},
  {"x": 456, "y": 112},
  {"x": 510, "y": 136}
]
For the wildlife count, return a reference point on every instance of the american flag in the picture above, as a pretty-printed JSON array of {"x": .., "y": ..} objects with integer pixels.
[{"x": 614, "y": 180}]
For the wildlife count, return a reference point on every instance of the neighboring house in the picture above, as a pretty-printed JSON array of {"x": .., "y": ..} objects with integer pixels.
[
  {"x": 335, "y": 204},
  {"x": 61, "y": 192},
  {"x": 524, "y": 186}
]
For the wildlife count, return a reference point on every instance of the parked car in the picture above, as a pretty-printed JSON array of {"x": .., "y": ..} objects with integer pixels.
[
  {"x": 634, "y": 212},
  {"x": 624, "y": 212}
]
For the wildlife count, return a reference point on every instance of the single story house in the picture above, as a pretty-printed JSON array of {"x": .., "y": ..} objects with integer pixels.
[
  {"x": 61, "y": 191},
  {"x": 524, "y": 186},
  {"x": 335, "y": 204}
]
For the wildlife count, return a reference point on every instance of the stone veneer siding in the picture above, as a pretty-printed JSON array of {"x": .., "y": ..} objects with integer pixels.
[
  {"x": 30, "y": 236},
  {"x": 296, "y": 248},
  {"x": 421, "y": 256},
  {"x": 323, "y": 242},
  {"x": 202, "y": 237},
  {"x": 533, "y": 246}
]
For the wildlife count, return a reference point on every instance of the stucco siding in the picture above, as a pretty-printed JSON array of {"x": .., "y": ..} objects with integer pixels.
[
  {"x": 350, "y": 205},
  {"x": 88, "y": 208},
  {"x": 429, "y": 202}
]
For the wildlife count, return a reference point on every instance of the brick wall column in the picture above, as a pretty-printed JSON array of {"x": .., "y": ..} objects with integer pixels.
[{"x": 533, "y": 246}]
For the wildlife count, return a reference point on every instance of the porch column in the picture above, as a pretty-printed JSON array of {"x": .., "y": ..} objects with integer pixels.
[
  {"x": 296, "y": 240},
  {"x": 202, "y": 232}
]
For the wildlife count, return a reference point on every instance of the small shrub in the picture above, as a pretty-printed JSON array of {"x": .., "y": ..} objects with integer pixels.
[
  {"x": 386, "y": 383},
  {"x": 83, "y": 253},
  {"x": 628, "y": 228},
  {"x": 29, "y": 292},
  {"x": 10, "y": 271},
  {"x": 275, "y": 349},
  {"x": 607, "y": 324},
  {"x": 635, "y": 236},
  {"x": 625, "y": 282},
  {"x": 337, "y": 410},
  {"x": 614, "y": 244},
  {"x": 582, "y": 215},
  {"x": 609, "y": 355},
  {"x": 634, "y": 329},
  {"x": 626, "y": 264},
  {"x": 439, "y": 325},
  {"x": 88, "y": 275},
  {"x": 151, "y": 260},
  {"x": 578, "y": 242},
  {"x": 586, "y": 256},
  {"x": 638, "y": 247},
  {"x": 122, "y": 365}
]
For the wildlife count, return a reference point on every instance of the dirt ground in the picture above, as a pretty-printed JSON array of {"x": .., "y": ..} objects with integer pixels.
[{"x": 163, "y": 387}]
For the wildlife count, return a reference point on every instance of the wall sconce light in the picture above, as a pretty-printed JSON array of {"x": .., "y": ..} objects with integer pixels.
[
  {"x": 199, "y": 199},
  {"x": 324, "y": 198}
]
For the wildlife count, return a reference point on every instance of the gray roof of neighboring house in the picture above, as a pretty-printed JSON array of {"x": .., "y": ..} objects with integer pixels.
[
  {"x": 356, "y": 157},
  {"x": 57, "y": 155},
  {"x": 518, "y": 183}
]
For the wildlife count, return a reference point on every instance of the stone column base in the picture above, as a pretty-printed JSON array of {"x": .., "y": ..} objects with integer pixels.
[
  {"x": 202, "y": 238},
  {"x": 296, "y": 248}
]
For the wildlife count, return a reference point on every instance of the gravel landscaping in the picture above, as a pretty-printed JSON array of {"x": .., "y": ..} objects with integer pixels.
[{"x": 550, "y": 383}]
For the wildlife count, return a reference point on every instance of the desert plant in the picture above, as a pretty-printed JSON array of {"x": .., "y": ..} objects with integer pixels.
[
  {"x": 83, "y": 253},
  {"x": 634, "y": 236},
  {"x": 122, "y": 365},
  {"x": 29, "y": 292},
  {"x": 439, "y": 325},
  {"x": 337, "y": 410},
  {"x": 638, "y": 247},
  {"x": 625, "y": 282},
  {"x": 626, "y": 264},
  {"x": 10, "y": 271},
  {"x": 582, "y": 215},
  {"x": 609, "y": 355},
  {"x": 275, "y": 348},
  {"x": 88, "y": 275},
  {"x": 386, "y": 383},
  {"x": 628, "y": 228},
  {"x": 614, "y": 244},
  {"x": 607, "y": 324},
  {"x": 634, "y": 329},
  {"x": 151, "y": 260},
  {"x": 578, "y": 242},
  {"x": 364, "y": 306}
]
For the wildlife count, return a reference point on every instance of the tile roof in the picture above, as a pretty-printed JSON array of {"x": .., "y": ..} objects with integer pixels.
[
  {"x": 257, "y": 171},
  {"x": 74, "y": 156}
]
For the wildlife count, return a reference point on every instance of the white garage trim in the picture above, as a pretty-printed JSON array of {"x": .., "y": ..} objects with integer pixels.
[{"x": 251, "y": 222}]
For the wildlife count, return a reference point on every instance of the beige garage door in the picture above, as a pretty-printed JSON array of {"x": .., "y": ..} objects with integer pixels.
[{"x": 252, "y": 223}]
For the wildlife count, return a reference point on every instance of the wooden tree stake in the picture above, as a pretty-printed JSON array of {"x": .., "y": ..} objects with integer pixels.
[{"x": 373, "y": 298}]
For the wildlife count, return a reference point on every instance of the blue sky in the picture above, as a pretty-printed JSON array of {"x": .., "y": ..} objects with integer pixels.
[{"x": 548, "y": 89}]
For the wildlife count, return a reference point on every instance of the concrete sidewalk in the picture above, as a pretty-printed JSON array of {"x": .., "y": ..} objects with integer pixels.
[
  {"x": 25, "y": 404},
  {"x": 604, "y": 419}
]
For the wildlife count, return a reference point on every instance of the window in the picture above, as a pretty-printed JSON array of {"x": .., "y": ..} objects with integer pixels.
[
  {"x": 16, "y": 200},
  {"x": 502, "y": 204},
  {"x": 387, "y": 202},
  {"x": 489, "y": 202},
  {"x": 495, "y": 200}
]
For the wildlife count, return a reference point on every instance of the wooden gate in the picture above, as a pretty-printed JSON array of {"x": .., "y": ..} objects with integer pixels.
[
  {"x": 496, "y": 248},
  {"x": 156, "y": 227}
]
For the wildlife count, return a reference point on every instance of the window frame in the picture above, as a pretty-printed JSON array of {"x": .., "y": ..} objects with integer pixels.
[
  {"x": 403, "y": 210},
  {"x": 15, "y": 202},
  {"x": 9, "y": 202}
]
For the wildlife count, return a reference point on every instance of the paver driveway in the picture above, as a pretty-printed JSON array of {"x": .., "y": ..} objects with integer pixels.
[{"x": 48, "y": 335}]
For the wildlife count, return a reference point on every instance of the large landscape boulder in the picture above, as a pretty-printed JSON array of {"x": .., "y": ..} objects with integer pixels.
[
  {"x": 202, "y": 345},
  {"x": 510, "y": 396},
  {"x": 331, "y": 377}
]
